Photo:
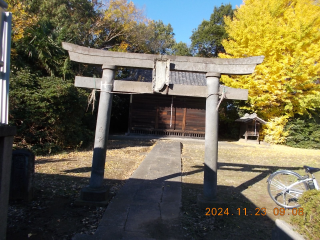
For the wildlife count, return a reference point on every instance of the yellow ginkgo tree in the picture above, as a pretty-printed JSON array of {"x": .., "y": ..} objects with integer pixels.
[
  {"x": 287, "y": 33},
  {"x": 22, "y": 19},
  {"x": 118, "y": 22}
]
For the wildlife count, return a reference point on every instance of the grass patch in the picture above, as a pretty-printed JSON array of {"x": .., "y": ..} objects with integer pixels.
[
  {"x": 309, "y": 223},
  {"x": 243, "y": 170}
]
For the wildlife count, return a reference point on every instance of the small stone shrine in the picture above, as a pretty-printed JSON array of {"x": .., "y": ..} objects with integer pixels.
[
  {"x": 250, "y": 126},
  {"x": 22, "y": 175}
]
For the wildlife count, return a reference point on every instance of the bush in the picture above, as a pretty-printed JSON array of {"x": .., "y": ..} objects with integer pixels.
[
  {"x": 49, "y": 113},
  {"x": 309, "y": 223},
  {"x": 228, "y": 113},
  {"x": 303, "y": 133},
  {"x": 274, "y": 131}
]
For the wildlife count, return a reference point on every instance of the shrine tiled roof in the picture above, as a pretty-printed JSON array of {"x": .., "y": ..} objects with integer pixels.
[
  {"x": 250, "y": 117},
  {"x": 176, "y": 77},
  {"x": 188, "y": 78}
]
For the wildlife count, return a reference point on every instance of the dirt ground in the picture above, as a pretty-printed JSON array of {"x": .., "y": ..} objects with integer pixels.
[
  {"x": 242, "y": 187},
  {"x": 58, "y": 180}
]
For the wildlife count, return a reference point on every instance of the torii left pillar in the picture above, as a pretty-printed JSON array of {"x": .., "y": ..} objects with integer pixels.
[{"x": 96, "y": 192}]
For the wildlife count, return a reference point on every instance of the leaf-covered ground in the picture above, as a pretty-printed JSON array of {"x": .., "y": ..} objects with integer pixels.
[
  {"x": 242, "y": 175},
  {"x": 52, "y": 213},
  {"x": 242, "y": 186}
]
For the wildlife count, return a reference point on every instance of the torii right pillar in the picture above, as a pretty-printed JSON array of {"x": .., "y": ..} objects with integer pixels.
[{"x": 211, "y": 137}]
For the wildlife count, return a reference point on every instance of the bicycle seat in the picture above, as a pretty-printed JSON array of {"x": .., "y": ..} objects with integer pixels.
[{"x": 311, "y": 169}]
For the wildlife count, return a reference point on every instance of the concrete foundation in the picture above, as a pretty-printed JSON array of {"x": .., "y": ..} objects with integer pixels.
[{"x": 6, "y": 140}]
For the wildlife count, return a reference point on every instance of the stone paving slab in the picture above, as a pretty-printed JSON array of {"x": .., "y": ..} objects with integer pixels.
[
  {"x": 152, "y": 195},
  {"x": 140, "y": 215}
]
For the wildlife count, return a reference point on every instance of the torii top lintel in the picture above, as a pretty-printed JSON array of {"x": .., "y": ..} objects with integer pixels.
[{"x": 235, "y": 66}]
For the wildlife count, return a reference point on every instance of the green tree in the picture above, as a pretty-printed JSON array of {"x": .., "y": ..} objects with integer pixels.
[
  {"x": 303, "y": 132},
  {"x": 287, "y": 33},
  {"x": 48, "y": 113},
  {"x": 117, "y": 24},
  {"x": 206, "y": 40},
  {"x": 42, "y": 25},
  {"x": 41, "y": 28},
  {"x": 47, "y": 110},
  {"x": 22, "y": 18},
  {"x": 161, "y": 39},
  {"x": 180, "y": 49},
  {"x": 152, "y": 37}
]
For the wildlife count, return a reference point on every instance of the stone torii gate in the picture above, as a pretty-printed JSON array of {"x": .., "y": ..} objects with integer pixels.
[{"x": 161, "y": 65}]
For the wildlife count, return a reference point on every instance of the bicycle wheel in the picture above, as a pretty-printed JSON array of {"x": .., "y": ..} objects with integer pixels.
[{"x": 280, "y": 191}]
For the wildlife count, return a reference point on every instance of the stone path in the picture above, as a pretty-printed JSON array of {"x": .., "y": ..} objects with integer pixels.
[{"x": 150, "y": 200}]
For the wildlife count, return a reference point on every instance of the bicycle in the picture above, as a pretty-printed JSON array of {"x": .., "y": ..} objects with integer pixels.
[{"x": 285, "y": 187}]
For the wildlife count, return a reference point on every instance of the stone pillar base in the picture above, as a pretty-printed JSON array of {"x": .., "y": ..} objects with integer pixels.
[{"x": 94, "y": 197}]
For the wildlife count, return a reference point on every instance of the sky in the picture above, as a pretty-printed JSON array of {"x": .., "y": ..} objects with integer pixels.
[{"x": 183, "y": 15}]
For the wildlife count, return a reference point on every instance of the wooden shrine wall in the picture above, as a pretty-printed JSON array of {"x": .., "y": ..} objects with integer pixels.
[
  {"x": 250, "y": 129},
  {"x": 151, "y": 114}
]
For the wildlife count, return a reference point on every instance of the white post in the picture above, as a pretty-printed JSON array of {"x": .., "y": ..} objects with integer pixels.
[{"x": 5, "y": 69}]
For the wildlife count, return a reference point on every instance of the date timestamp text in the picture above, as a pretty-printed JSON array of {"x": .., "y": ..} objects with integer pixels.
[{"x": 238, "y": 212}]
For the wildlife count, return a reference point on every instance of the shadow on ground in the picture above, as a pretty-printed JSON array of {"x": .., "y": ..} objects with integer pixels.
[
  {"x": 234, "y": 216},
  {"x": 53, "y": 215}
]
